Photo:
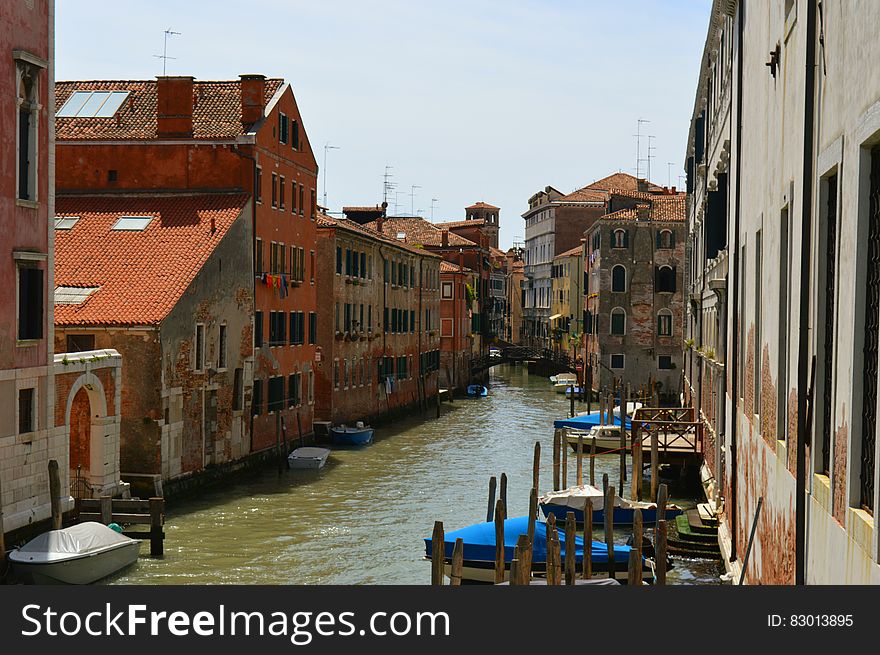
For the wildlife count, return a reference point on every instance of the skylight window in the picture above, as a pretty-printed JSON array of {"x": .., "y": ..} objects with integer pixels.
[
  {"x": 65, "y": 222},
  {"x": 92, "y": 104},
  {"x": 132, "y": 223},
  {"x": 73, "y": 295}
]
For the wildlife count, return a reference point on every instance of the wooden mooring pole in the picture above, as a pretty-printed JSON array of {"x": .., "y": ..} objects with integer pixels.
[
  {"x": 661, "y": 499},
  {"x": 533, "y": 518},
  {"x": 157, "y": 520},
  {"x": 536, "y": 465},
  {"x": 107, "y": 510},
  {"x": 634, "y": 571},
  {"x": 608, "y": 514},
  {"x": 438, "y": 554},
  {"x": 622, "y": 448},
  {"x": 556, "y": 442},
  {"x": 655, "y": 463},
  {"x": 491, "y": 504},
  {"x": 593, "y": 461},
  {"x": 570, "y": 548},
  {"x": 660, "y": 552},
  {"x": 638, "y": 531},
  {"x": 580, "y": 460},
  {"x": 587, "y": 563},
  {"x": 54, "y": 495},
  {"x": 563, "y": 448},
  {"x": 571, "y": 393},
  {"x": 499, "y": 543},
  {"x": 457, "y": 563},
  {"x": 502, "y": 494}
]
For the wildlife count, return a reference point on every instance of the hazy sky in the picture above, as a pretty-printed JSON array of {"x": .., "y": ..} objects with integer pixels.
[{"x": 471, "y": 100}]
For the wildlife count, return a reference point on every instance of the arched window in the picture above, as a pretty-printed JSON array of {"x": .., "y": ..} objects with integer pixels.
[
  {"x": 665, "y": 240},
  {"x": 618, "y": 279},
  {"x": 621, "y": 239},
  {"x": 618, "y": 321},
  {"x": 664, "y": 323},
  {"x": 664, "y": 281}
]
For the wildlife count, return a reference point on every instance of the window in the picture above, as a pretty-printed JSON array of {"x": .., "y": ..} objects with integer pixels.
[
  {"x": 664, "y": 324},
  {"x": 221, "y": 356},
  {"x": 314, "y": 207},
  {"x": 664, "y": 362},
  {"x": 281, "y": 184},
  {"x": 302, "y": 200},
  {"x": 618, "y": 279},
  {"x": 276, "y": 394},
  {"x": 313, "y": 328},
  {"x": 28, "y": 138},
  {"x": 200, "y": 348},
  {"x": 618, "y": 321},
  {"x": 258, "y": 329},
  {"x": 258, "y": 184},
  {"x": 77, "y": 343},
  {"x": 618, "y": 361},
  {"x": 132, "y": 223},
  {"x": 27, "y": 414},
  {"x": 92, "y": 104},
  {"x": 335, "y": 373},
  {"x": 759, "y": 300},
  {"x": 257, "y": 400},
  {"x": 447, "y": 327},
  {"x": 274, "y": 190},
  {"x": 65, "y": 222},
  {"x": 30, "y": 303},
  {"x": 621, "y": 239},
  {"x": 665, "y": 240},
  {"x": 828, "y": 312},
  {"x": 312, "y": 266},
  {"x": 293, "y": 196},
  {"x": 294, "y": 134},
  {"x": 311, "y": 387},
  {"x": 293, "y": 390},
  {"x": 282, "y": 129},
  {"x": 238, "y": 390},
  {"x": 665, "y": 279},
  {"x": 446, "y": 290}
]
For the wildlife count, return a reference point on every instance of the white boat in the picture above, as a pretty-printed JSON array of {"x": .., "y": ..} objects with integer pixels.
[
  {"x": 607, "y": 438},
  {"x": 80, "y": 554},
  {"x": 566, "y": 379},
  {"x": 308, "y": 457}
]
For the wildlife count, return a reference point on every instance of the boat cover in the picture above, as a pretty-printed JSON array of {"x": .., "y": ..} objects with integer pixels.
[
  {"x": 479, "y": 543},
  {"x": 79, "y": 539},
  {"x": 587, "y": 421},
  {"x": 309, "y": 452},
  {"x": 574, "y": 497}
]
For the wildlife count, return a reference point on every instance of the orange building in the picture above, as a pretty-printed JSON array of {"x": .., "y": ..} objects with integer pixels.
[{"x": 456, "y": 339}]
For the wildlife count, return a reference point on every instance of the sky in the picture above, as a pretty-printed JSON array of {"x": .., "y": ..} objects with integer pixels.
[{"x": 479, "y": 100}]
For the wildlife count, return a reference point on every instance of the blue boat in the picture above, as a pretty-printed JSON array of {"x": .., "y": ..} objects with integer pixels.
[
  {"x": 577, "y": 391},
  {"x": 477, "y": 391},
  {"x": 348, "y": 436},
  {"x": 586, "y": 422},
  {"x": 479, "y": 550}
]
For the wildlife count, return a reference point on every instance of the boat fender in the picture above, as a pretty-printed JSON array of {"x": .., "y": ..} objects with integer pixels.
[{"x": 115, "y": 527}]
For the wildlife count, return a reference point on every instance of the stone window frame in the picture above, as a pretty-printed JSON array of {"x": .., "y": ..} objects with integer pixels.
[
  {"x": 666, "y": 239},
  {"x": 611, "y": 361},
  {"x": 665, "y": 312},
  {"x": 222, "y": 343},
  {"x": 199, "y": 358},
  {"x": 625, "y": 275},
  {"x": 27, "y": 68},
  {"x": 616, "y": 312},
  {"x": 619, "y": 238},
  {"x": 451, "y": 295}
]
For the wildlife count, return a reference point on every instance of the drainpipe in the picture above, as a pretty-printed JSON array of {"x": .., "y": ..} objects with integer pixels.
[
  {"x": 735, "y": 351},
  {"x": 804, "y": 323}
]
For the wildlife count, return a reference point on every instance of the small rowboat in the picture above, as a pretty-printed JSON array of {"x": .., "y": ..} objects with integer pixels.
[
  {"x": 308, "y": 457},
  {"x": 477, "y": 391},
  {"x": 357, "y": 436},
  {"x": 81, "y": 554}
]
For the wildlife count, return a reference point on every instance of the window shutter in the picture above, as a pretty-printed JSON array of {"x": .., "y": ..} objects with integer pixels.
[{"x": 659, "y": 239}]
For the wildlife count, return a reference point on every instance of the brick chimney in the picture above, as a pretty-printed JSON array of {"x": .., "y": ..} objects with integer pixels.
[
  {"x": 174, "y": 118},
  {"x": 379, "y": 222},
  {"x": 253, "y": 93},
  {"x": 444, "y": 235}
]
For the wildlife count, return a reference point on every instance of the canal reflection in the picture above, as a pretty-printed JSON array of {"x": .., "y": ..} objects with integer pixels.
[{"x": 362, "y": 519}]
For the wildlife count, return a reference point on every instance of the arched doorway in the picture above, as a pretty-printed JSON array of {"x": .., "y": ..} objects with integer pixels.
[
  {"x": 89, "y": 436},
  {"x": 80, "y": 434}
]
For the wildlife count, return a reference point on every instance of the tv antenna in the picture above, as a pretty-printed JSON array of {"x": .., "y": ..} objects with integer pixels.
[
  {"x": 650, "y": 156},
  {"x": 327, "y": 147},
  {"x": 669, "y": 166},
  {"x": 387, "y": 185},
  {"x": 412, "y": 198},
  {"x": 638, "y": 136},
  {"x": 433, "y": 200},
  {"x": 164, "y": 56}
]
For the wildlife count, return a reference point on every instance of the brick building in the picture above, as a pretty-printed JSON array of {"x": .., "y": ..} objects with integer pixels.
[
  {"x": 634, "y": 297},
  {"x": 456, "y": 340},
  {"x": 177, "y": 135},
  {"x": 165, "y": 281},
  {"x": 378, "y": 338}
]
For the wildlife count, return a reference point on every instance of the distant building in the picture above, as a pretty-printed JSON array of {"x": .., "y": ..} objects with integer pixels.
[
  {"x": 456, "y": 340},
  {"x": 515, "y": 295},
  {"x": 378, "y": 331},
  {"x": 634, "y": 294},
  {"x": 566, "y": 321}
]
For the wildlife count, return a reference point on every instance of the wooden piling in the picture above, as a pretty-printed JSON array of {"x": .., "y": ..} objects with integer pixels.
[
  {"x": 662, "y": 499},
  {"x": 569, "y": 548},
  {"x": 622, "y": 446},
  {"x": 106, "y": 510},
  {"x": 655, "y": 463},
  {"x": 563, "y": 451},
  {"x": 282, "y": 461},
  {"x": 634, "y": 570},
  {"x": 580, "y": 460},
  {"x": 557, "y": 560},
  {"x": 457, "y": 563},
  {"x": 587, "y": 563},
  {"x": 533, "y": 516},
  {"x": 491, "y": 505},
  {"x": 536, "y": 465},
  {"x": 515, "y": 564},
  {"x": 660, "y": 552},
  {"x": 604, "y": 483},
  {"x": 438, "y": 554},
  {"x": 502, "y": 495},
  {"x": 593, "y": 461},
  {"x": 157, "y": 519},
  {"x": 608, "y": 515},
  {"x": 556, "y": 455},
  {"x": 54, "y": 495},
  {"x": 499, "y": 542},
  {"x": 523, "y": 572},
  {"x": 601, "y": 409},
  {"x": 637, "y": 532}
]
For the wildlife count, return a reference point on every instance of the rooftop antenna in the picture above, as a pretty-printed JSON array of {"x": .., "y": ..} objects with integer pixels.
[
  {"x": 412, "y": 198},
  {"x": 669, "y": 166},
  {"x": 327, "y": 147},
  {"x": 164, "y": 56},
  {"x": 433, "y": 200},
  {"x": 386, "y": 186},
  {"x": 638, "y": 136},
  {"x": 650, "y": 156}
]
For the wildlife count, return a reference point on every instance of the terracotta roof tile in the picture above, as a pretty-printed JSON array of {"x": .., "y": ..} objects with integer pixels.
[
  {"x": 584, "y": 195},
  {"x": 574, "y": 252},
  {"x": 449, "y": 267},
  {"x": 216, "y": 111},
  {"x": 482, "y": 205},
  {"x": 141, "y": 274},
  {"x": 659, "y": 208},
  {"x": 419, "y": 231},
  {"x": 474, "y": 222},
  {"x": 624, "y": 181}
]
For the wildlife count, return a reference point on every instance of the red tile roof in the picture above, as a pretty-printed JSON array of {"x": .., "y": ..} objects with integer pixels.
[
  {"x": 449, "y": 267},
  {"x": 482, "y": 205},
  {"x": 584, "y": 195},
  {"x": 419, "y": 231},
  {"x": 474, "y": 222},
  {"x": 660, "y": 208},
  {"x": 366, "y": 231},
  {"x": 574, "y": 252},
  {"x": 141, "y": 274},
  {"x": 216, "y": 111},
  {"x": 626, "y": 182}
]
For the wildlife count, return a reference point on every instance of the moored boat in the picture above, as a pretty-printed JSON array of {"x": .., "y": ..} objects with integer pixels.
[
  {"x": 479, "y": 551},
  {"x": 81, "y": 554},
  {"x": 358, "y": 435},
  {"x": 607, "y": 438},
  {"x": 477, "y": 391},
  {"x": 564, "y": 378},
  {"x": 308, "y": 457},
  {"x": 573, "y": 499}
]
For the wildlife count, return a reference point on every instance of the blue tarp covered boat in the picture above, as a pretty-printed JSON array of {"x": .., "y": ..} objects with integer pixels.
[
  {"x": 479, "y": 549},
  {"x": 477, "y": 391},
  {"x": 586, "y": 422}
]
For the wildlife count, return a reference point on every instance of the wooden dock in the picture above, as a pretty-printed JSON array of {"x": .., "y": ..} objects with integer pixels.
[{"x": 108, "y": 510}]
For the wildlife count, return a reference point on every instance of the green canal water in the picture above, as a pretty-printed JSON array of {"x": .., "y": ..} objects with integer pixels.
[{"x": 362, "y": 518}]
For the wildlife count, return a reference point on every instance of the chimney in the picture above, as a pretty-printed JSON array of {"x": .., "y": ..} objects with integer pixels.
[
  {"x": 174, "y": 118},
  {"x": 674, "y": 191},
  {"x": 379, "y": 222},
  {"x": 444, "y": 235},
  {"x": 253, "y": 92}
]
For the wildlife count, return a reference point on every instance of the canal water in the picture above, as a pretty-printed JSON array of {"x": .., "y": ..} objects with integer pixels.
[{"x": 362, "y": 518}]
